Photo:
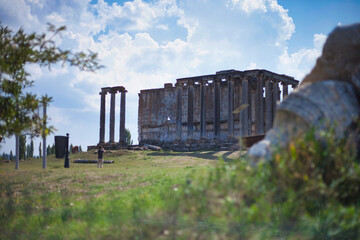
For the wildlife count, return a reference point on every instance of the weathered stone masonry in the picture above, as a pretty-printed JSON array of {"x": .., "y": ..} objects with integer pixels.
[
  {"x": 113, "y": 91},
  {"x": 198, "y": 111}
]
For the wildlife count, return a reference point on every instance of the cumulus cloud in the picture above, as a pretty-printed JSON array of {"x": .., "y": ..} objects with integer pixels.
[
  {"x": 299, "y": 63},
  {"x": 252, "y": 66},
  {"x": 144, "y": 44},
  {"x": 248, "y": 5},
  {"x": 17, "y": 13}
]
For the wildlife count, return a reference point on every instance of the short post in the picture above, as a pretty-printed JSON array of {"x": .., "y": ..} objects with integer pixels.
[{"x": 67, "y": 160}]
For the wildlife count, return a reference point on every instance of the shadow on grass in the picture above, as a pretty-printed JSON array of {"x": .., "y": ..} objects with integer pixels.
[{"x": 209, "y": 155}]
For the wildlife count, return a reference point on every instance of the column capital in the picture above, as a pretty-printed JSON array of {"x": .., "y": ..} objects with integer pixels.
[
  {"x": 105, "y": 89},
  {"x": 113, "y": 91},
  {"x": 119, "y": 89},
  {"x": 261, "y": 76},
  {"x": 190, "y": 83},
  {"x": 230, "y": 79}
]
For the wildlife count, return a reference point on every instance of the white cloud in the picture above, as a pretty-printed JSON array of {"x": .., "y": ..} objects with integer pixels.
[
  {"x": 300, "y": 63},
  {"x": 37, "y": 3},
  {"x": 252, "y": 66},
  {"x": 144, "y": 44},
  {"x": 55, "y": 18},
  {"x": 18, "y": 13},
  {"x": 249, "y": 6},
  {"x": 163, "y": 26},
  {"x": 287, "y": 27}
]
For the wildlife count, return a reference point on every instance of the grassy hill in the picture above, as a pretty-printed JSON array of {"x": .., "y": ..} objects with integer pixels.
[
  {"x": 87, "y": 202},
  {"x": 306, "y": 192}
]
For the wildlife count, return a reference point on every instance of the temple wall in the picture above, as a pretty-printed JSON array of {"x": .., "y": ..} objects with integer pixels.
[{"x": 223, "y": 92}]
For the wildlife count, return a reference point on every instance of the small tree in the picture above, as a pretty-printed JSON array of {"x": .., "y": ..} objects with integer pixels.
[
  {"x": 128, "y": 140},
  {"x": 11, "y": 156},
  {"x": 3, "y": 156},
  {"x": 31, "y": 151},
  {"x": 80, "y": 149},
  {"x": 17, "y": 105},
  {"x": 40, "y": 152},
  {"x": 22, "y": 147},
  {"x": 52, "y": 149},
  {"x": 27, "y": 152},
  {"x": 48, "y": 150}
]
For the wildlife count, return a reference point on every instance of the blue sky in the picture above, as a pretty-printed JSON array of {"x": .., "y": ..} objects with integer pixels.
[{"x": 144, "y": 44}]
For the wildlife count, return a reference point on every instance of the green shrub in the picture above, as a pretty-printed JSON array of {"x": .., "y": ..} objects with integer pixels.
[{"x": 308, "y": 191}]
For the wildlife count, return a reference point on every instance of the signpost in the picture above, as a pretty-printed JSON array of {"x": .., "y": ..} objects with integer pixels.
[{"x": 67, "y": 160}]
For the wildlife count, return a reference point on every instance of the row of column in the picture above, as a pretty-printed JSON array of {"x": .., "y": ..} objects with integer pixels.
[
  {"x": 113, "y": 91},
  {"x": 272, "y": 95}
]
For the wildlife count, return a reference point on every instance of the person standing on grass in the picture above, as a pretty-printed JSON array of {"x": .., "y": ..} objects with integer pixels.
[{"x": 100, "y": 156}]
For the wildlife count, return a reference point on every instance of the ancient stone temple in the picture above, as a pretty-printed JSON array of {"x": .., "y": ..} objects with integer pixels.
[
  {"x": 207, "y": 111},
  {"x": 113, "y": 91}
]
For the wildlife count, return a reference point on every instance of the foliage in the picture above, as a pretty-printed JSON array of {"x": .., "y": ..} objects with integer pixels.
[
  {"x": 22, "y": 146},
  {"x": 40, "y": 150},
  {"x": 11, "y": 155},
  {"x": 52, "y": 149},
  {"x": 30, "y": 149},
  {"x": 128, "y": 140},
  {"x": 309, "y": 191},
  {"x": 18, "y": 107},
  {"x": 48, "y": 149}
]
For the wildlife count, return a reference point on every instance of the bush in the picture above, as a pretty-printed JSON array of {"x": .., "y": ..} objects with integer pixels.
[{"x": 308, "y": 191}]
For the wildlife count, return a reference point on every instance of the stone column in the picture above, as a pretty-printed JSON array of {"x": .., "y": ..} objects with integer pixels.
[
  {"x": 217, "y": 109},
  {"x": 276, "y": 97},
  {"x": 244, "y": 115},
  {"x": 102, "y": 117},
  {"x": 112, "y": 116},
  {"x": 202, "y": 110},
  {"x": 260, "y": 105},
  {"x": 240, "y": 103},
  {"x": 268, "y": 105},
  {"x": 251, "y": 108},
  {"x": 122, "y": 118},
  {"x": 285, "y": 90},
  {"x": 179, "y": 112},
  {"x": 231, "y": 107},
  {"x": 190, "y": 120}
]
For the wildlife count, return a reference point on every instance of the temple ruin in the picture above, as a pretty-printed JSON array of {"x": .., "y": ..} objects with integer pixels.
[
  {"x": 113, "y": 91},
  {"x": 205, "y": 111}
]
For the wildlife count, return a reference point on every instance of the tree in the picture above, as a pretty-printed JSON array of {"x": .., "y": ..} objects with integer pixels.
[
  {"x": 40, "y": 152},
  {"x": 22, "y": 147},
  {"x": 17, "y": 105},
  {"x": 31, "y": 151},
  {"x": 27, "y": 152},
  {"x": 80, "y": 149},
  {"x": 128, "y": 140},
  {"x": 11, "y": 155},
  {"x": 53, "y": 149},
  {"x": 48, "y": 150},
  {"x": 71, "y": 147},
  {"x": 3, "y": 156}
]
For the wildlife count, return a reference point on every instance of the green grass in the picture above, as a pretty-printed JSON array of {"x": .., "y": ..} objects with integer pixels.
[
  {"x": 86, "y": 202},
  {"x": 309, "y": 191}
]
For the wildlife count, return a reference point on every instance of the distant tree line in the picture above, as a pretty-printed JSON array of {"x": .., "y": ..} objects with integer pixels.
[{"x": 26, "y": 151}]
